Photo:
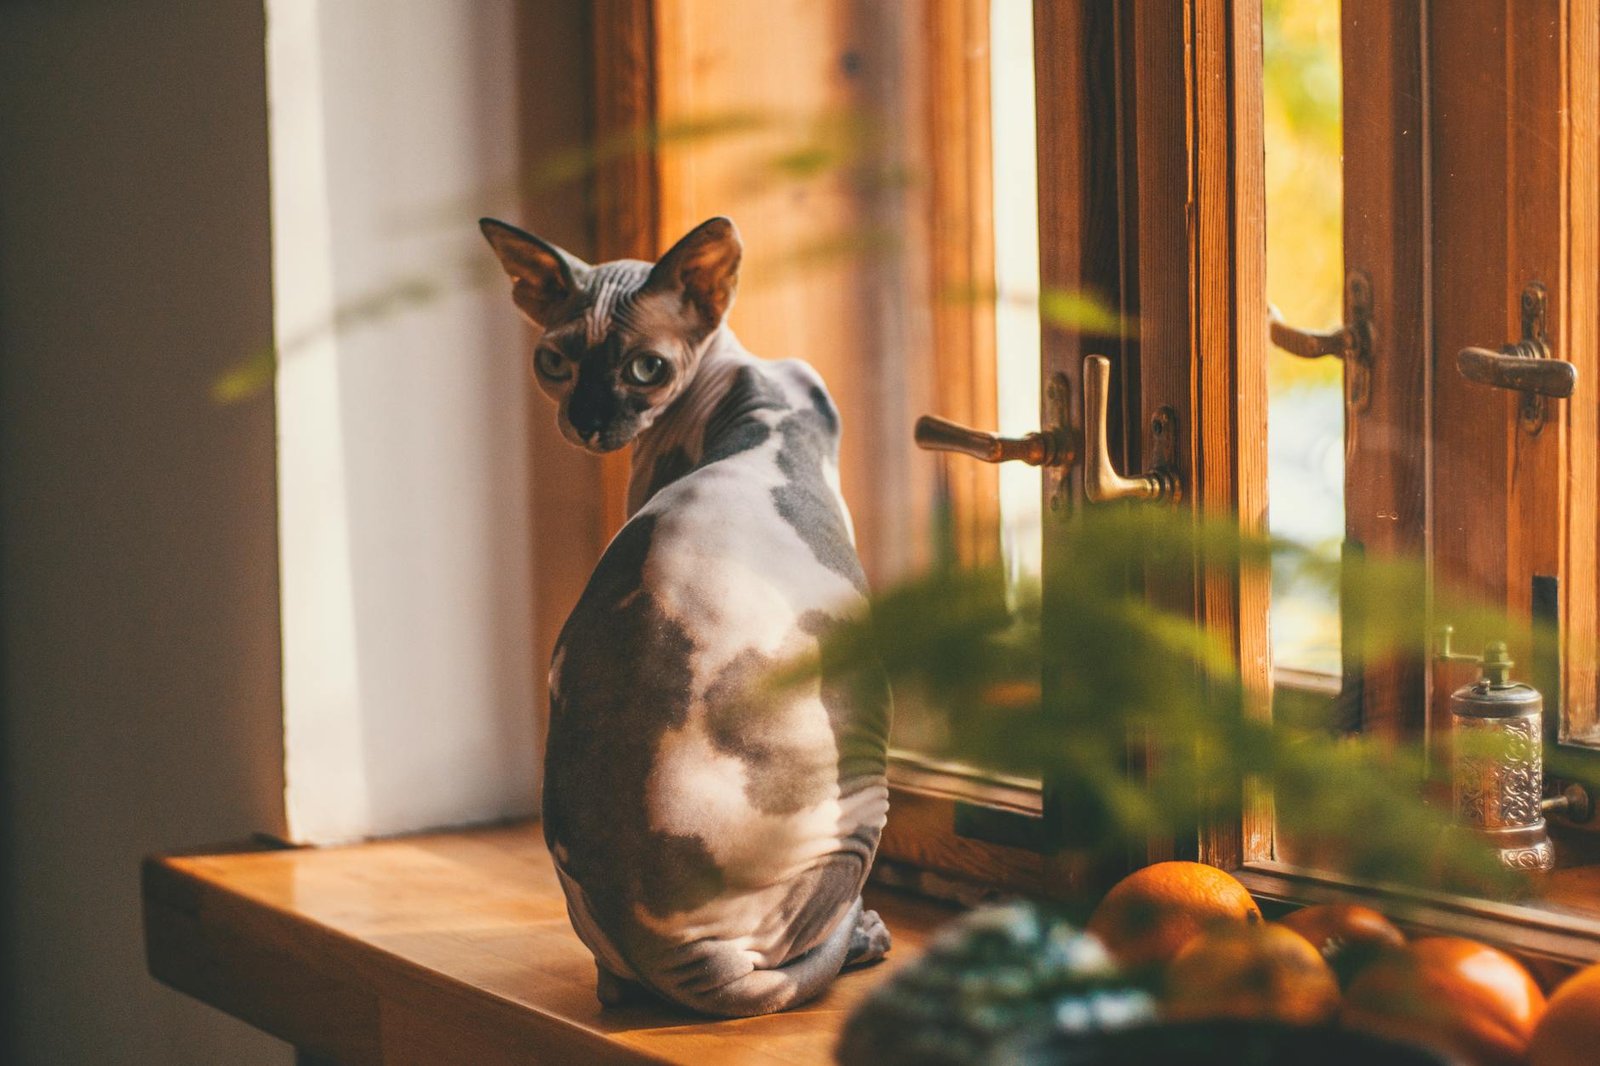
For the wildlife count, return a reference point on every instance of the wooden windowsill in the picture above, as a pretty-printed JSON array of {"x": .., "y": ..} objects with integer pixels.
[{"x": 443, "y": 949}]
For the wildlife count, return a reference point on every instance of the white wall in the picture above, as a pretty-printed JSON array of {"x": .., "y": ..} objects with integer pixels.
[
  {"x": 139, "y": 684},
  {"x": 408, "y": 663},
  {"x": 142, "y": 690}
]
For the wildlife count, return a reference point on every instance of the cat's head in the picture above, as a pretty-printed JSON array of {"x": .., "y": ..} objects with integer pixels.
[{"x": 621, "y": 340}]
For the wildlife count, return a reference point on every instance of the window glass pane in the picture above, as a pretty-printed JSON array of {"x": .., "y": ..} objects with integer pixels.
[
  {"x": 1011, "y": 222},
  {"x": 1016, "y": 260},
  {"x": 1305, "y": 268}
]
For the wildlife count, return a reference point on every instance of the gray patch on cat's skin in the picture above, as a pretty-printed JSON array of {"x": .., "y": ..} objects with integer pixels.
[
  {"x": 859, "y": 707},
  {"x": 804, "y": 500},
  {"x": 815, "y": 623},
  {"x": 599, "y": 758},
  {"x": 741, "y": 438},
  {"x": 732, "y": 427},
  {"x": 822, "y": 403},
  {"x": 742, "y": 719},
  {"x": 745, "y": 721},
  {"x": 817, "y": 897},
  {"x": 667, "y": 469},
  {"x": 684, "y": 874}
]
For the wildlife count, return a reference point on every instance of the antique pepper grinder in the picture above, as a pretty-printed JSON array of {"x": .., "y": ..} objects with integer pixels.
[{"x": 1497, "y": 728}]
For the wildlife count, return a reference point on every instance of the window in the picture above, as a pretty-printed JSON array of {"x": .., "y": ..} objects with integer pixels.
[
  {"x": 1468, "y": 222},
  {"x": 939, "y": 317},
  {"x": 1391, "y": 181},
  {"x": 1305, "y": 285}
]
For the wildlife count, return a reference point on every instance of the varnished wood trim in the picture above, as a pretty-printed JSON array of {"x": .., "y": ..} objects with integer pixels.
[
  {"x": 1388, "y": 442},
  {"x": 628, "y": 182},
  {"x": 568, "y": 525},
  {"x": 1199, "y": 189},
  {"x": 921, "y": 837},
  {"x": 962, "y": 256},
  {"x": 1579, "y": 328},
  {"x": 921, "y": 834},
  {"x": 1229, "y": 356},
  {"x": 965, "y": 783},
  {"x": 1086, "y": 210},
  {"x": 627, "y": 187},
  {"x": 1555, "y": 943},
  {"x": 1085, "y": 73},
  {"x": 1308, "y": 681},
  {"x": 1512, "y": 92}
]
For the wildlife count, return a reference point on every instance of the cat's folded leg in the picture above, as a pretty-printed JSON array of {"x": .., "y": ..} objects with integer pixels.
[{"x": 710, "y": 985}]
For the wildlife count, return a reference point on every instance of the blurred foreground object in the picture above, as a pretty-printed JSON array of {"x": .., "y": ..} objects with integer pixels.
[
  {"x": 998, "y": 978},
  {"x": 1251, "y": 973},
  {"x": 1461, "y": 997}
]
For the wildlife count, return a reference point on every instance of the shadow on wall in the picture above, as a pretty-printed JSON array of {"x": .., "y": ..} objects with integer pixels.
[{"x": 139, "y": 627}]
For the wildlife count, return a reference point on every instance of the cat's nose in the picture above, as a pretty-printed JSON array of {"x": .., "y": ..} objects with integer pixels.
[{"x": 584, "y": 422}]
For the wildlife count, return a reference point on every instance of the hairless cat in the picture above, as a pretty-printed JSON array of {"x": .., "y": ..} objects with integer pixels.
[{"x": 712, "y": 833}]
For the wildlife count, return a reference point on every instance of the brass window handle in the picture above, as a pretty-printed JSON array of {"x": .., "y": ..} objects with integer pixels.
[
  {"x": 1528, "y": 366},
  {"x": 1342, "y": 343},
  {"x": 1044, "y": 448},
  {"x": 1054, "y": 446},
  {"x": 1352, "y": 342},
  {"x": 1520, "y": 371},
  {"x": 1101, "y": 482},
  {"x": 1060, "y": 446}
]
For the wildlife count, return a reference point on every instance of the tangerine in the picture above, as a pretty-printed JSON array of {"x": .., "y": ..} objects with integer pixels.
[
  {"x": 1459, "y": 996},
  {"x": 1152, "y": 914},
  {"x": 1251, "y": 973},
  {"x": 1569, "y": 1032},
  {"x": 1348, "y": 935}
]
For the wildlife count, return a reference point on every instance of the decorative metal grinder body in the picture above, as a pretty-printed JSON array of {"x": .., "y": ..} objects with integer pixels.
[{"x": 1498, "y": 739}]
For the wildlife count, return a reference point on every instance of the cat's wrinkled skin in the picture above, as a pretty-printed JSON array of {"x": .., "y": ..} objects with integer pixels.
[{"x": 712, "y": 838}]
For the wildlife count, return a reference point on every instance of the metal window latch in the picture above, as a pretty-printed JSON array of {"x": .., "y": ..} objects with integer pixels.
[
  {"x": 1056, "y": 447},
  {"x": 1101, "y": 482},
  {"x": 1351, "y": 342},
  {"x": 1059, "y": 447},
  {"x": 1528, "y": 366},
  {"x": 1043, "y": 448}
]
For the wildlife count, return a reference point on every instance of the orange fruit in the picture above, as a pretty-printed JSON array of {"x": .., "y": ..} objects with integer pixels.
[
  {"x": 1254, "y": 973},
  {"x": 1461, "y": 997},
  {"x": 1347, "y": 934},
  {"x": 1152, "y": 914},
  {"x": 1569, "y": 1032}
]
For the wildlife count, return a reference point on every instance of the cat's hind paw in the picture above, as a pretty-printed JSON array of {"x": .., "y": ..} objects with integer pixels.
[
  {"x": 869, "y": 941},
  {"x": 614, "y": 991}
]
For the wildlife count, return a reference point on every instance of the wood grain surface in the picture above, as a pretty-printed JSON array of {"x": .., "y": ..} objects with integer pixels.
[
  {"x": 446, "y": 949},
  {"x": 1198, "y": 190},
  {"x": 1513, "y": 105},
  {"x": 1387, "y": 438}
]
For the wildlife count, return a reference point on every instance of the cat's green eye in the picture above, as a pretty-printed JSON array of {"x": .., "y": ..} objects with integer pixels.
[
  {"x": 645, "y": 370},
  {"x": 551, "y": 364}
]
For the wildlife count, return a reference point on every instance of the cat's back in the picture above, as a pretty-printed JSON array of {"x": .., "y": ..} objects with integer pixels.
[
  {"x": 659, "y": 698},
  {"x": 755, "y": 536}
]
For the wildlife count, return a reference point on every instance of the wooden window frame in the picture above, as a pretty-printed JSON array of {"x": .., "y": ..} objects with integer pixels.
[
  {"x": 1121, "y": 167},
  {"x": 1152, "y": 196},
  {"x": 1427, "y": 191},
  {"x": 645, "y": 197}
]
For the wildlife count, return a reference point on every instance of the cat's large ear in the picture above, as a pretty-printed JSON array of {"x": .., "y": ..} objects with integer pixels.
[
  {"x": 543, "y": 277},
  {"x": 703, "y": 268}
]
